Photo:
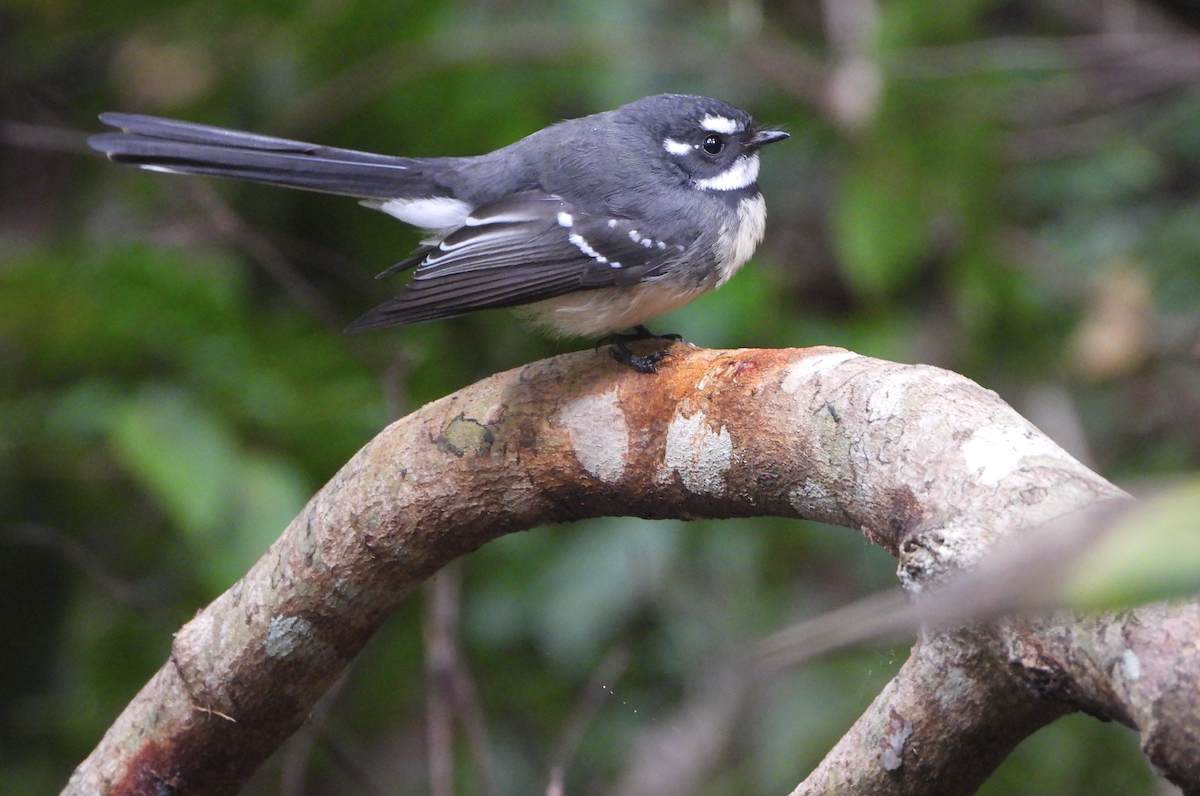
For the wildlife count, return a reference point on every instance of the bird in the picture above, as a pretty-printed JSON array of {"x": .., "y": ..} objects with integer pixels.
[{"x": 586, "y": 227}]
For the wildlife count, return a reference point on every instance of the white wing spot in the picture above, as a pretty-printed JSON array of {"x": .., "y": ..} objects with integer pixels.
[
  {"x": 662, "y": 244},
  {"x": 647, "y": 242},
  {"x": 565, "y": 220},
  {"x": 612, "y": 222},
  {"x": 720, "y": 124},
  {"x": 635, "y": 236},
  {"x": 587, "y": 249}
]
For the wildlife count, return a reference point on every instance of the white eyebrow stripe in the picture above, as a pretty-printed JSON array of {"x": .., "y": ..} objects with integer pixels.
[
  {"x": 676, "y": 147},
  {"x": 720, "y": 124},
  {"x": 742, "y": 174}
]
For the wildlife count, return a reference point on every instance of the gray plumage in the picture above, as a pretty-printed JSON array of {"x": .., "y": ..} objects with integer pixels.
[{"x": 599, "y": 223}]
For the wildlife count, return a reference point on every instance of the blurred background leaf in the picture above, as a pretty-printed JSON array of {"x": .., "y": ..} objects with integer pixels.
[
  {"x": 1151, "y": 553},
  {"x": 1007, "y": 188}
]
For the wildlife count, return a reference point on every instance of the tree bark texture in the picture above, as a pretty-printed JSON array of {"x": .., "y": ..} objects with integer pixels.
[{"x": 924, "y": 462}]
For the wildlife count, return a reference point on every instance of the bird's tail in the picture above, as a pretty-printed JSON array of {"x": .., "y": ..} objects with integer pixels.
[{"x": 188, "y": 148}]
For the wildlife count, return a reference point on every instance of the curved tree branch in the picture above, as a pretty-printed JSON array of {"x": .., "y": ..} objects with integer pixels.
[{"x": 926, "y": 463}]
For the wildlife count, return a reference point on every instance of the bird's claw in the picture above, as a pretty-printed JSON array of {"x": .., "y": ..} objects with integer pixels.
[{"x": 642, "y": 363}]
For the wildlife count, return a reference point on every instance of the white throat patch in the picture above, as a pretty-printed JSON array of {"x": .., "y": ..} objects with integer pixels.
[{"x": 742, "y": 174}]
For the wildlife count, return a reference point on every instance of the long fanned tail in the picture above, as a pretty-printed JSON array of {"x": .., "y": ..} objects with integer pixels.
[{"x": 189, "y": 148}]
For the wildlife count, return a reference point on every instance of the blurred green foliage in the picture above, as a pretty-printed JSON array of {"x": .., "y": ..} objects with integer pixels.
[
  {"x": 1151, "y": 554},
  {"x": 995, "y": 188}
]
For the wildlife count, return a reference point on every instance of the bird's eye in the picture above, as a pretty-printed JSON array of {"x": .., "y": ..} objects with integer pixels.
[{"x": 713, "y": 145}]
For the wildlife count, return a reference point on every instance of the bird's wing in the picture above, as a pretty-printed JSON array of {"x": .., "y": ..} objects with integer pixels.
[
  {"x": 168, "y": 145},
  {"x": 523, "y": 248}
]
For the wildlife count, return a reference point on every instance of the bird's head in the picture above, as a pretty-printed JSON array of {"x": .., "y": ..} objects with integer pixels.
[{"x": 713, "y": 144}]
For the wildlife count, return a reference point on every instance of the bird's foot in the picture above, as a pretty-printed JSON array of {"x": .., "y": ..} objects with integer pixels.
[{"x": 642, "y": 363}]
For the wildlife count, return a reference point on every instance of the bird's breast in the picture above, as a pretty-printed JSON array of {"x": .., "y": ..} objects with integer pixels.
[
  {"x": 590, "y": 313},
  {"x": 740, "y": 236}
]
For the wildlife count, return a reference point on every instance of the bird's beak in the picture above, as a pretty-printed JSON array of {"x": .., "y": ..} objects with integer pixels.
[{"x": 764, "y": 137}]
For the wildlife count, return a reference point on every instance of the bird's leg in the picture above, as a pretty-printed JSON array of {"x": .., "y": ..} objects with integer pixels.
[
  {"x": 642, "y": 363},
  {"x": 640, "y": 332}
]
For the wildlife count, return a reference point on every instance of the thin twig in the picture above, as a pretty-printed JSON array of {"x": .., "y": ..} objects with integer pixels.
[
  {"x": 83, "y": 559},
  {"x": 452, "y": 692},
  {"x": 577, "y": 723},
  {"x": 441, "y": 620},
  {"x": 234, "y": 229},
  {"x": 346, "y": 763},
  {"x": 471, "y": 717},
  {"x": 298, "y": 750}
]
